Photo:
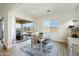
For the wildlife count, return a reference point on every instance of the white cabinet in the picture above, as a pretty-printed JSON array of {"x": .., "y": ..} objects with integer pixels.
[{"x": 71, "y": 42}]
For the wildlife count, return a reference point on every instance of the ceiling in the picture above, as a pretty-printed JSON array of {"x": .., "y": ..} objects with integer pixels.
[
  {"x": 22, "y": 21},
  {"x": 6, "y": 7},
  {"x": 40, "y": 9},
  {"x": 2, "y": 6}
]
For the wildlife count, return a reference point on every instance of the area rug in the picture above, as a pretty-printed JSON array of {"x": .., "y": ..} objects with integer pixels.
[{"x": 36, "y": 51}]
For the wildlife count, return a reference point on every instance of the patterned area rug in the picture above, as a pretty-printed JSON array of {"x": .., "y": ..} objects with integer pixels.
[{"x": 36, "y": 51}]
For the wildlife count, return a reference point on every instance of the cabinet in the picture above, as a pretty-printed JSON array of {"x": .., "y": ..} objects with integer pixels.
[{"x": 72, "y": 42}]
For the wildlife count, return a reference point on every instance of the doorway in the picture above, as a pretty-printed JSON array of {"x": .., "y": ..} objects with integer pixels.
[{"x": 24, "y": 28}]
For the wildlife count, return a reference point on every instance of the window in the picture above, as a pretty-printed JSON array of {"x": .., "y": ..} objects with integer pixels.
[
  {"x": 46, "y": 26},
  {"x": 54, "y": 24},
  {"x": 51, "y": 25},
  {"x": 28, "y": 27},
  {"x": 25, "y": 27}
]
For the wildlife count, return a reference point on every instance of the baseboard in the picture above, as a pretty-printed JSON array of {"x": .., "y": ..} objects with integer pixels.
[{"x": 60, "y": 41}]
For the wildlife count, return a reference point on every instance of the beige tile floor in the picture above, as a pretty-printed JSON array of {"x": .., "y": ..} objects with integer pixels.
[{"x": 59, "y": 49}]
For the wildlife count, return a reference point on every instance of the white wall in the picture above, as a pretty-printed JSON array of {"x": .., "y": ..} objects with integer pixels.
[
  {"x": 23, "y": 16},
  {"x": 5, "y": 31},
  {"x": 64, "y": 18},
  {"x": 8, "y": 31},
  {"x": 11, "y": 30}
]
